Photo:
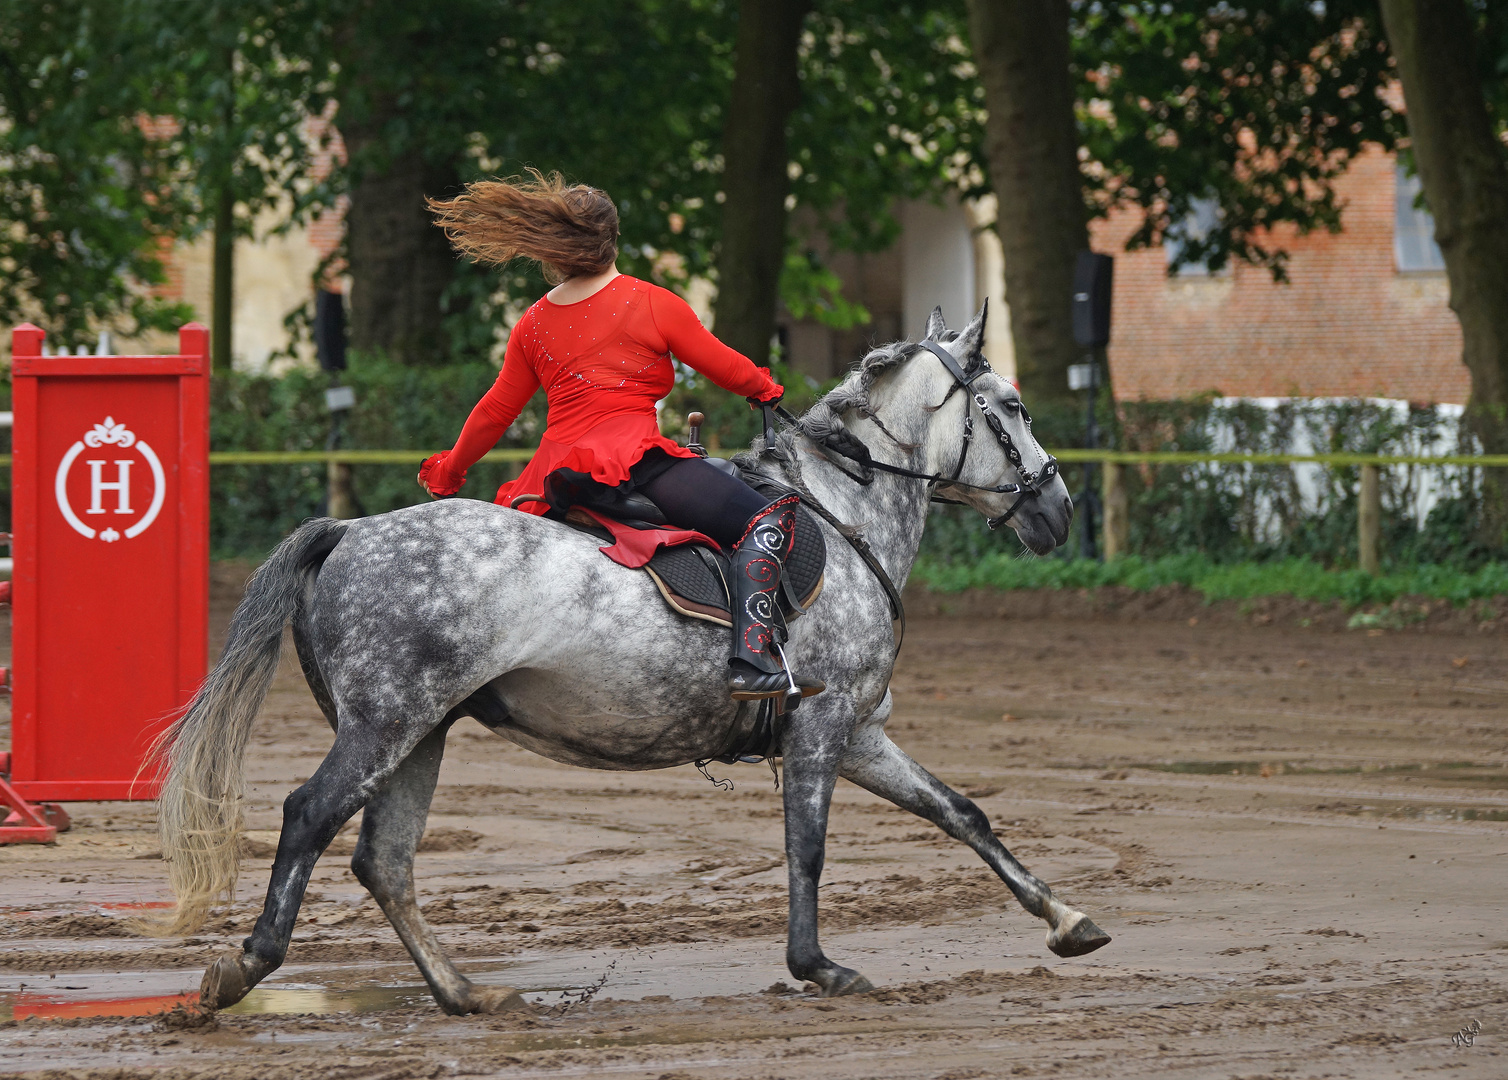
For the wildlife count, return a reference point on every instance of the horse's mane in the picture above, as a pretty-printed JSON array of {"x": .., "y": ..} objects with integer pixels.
[{"x": 823, "y": 422}]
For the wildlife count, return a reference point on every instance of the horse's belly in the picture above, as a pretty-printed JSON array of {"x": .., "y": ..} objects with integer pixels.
[{"x": 598, "y": 727}]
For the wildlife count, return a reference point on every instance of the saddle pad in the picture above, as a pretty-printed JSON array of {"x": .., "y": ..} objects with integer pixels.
[{"x": 694, "y": 580}]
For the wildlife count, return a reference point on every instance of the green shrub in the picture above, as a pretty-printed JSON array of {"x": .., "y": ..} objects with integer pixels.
[
  {"x": 1300, "y": 578},
  {"x": 398, "y": 407}
]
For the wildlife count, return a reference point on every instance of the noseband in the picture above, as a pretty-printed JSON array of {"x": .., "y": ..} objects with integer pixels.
[{"x": 1031, "y": 482}]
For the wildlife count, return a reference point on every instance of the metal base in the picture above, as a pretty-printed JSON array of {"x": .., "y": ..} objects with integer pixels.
[{"x": 28, "y": 824}]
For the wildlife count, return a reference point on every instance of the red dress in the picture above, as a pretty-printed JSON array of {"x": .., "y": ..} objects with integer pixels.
[{"x": 604, "y": 362}]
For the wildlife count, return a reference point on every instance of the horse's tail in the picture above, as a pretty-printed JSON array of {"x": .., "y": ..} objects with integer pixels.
[{"x": 199, "y": 810}]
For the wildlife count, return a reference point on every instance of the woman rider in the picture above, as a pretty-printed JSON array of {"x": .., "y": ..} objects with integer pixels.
[{"x": 599, "y": 343}]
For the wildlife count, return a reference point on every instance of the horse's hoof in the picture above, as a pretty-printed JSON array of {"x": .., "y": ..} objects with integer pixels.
[
  {"x": 495, "y": 999},
  {"x": 225, "y": 982},
  {"x": 847, "y": 982},
  {"x": 1076, "y": 936}
]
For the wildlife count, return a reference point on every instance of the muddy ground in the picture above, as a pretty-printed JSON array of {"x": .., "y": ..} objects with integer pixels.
[{"x": 1297, "y": 836}]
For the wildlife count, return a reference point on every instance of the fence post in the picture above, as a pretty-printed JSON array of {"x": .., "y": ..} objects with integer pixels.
[
  {"x": 1116, "y": 510},
  {"x": 340, "y": 504},
  {"x": 1368, "y": 520}
]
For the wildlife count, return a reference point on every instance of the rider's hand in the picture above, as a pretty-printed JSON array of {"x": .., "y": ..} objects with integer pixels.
[
  {"x": 433, "y": 480},
  {"x": 772, "y": 398}
]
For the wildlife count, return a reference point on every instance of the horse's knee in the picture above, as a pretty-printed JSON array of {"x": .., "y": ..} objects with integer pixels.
[
  {"x": 298, "y": 808},
  {"x": 378, "y": 874}
]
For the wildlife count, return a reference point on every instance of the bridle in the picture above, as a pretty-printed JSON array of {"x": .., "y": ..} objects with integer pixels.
[{"x": 1031, "y": 482}]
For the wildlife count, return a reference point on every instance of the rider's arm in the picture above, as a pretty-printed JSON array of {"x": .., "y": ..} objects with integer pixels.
[
  {"x": 444, "y": 474},
  {"x": 693, "y": 344}
]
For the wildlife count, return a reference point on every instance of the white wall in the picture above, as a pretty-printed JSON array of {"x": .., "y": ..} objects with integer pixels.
[
  {"x": 937, "y": 261},
  {"x": 951, "y": 257}
]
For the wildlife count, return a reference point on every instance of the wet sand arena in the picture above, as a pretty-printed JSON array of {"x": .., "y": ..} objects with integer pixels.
[{"x": 1298, "y": 838}]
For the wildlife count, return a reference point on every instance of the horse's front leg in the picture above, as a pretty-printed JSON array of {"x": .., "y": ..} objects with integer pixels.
[
  {"x": 811, "y": 746},
  {"x": 874, "y": 762}
]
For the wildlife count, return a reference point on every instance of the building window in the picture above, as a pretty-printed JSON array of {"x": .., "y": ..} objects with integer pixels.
[
  {"x": 1414, "y": 246},
  {"x": 1202, "y": 219}
]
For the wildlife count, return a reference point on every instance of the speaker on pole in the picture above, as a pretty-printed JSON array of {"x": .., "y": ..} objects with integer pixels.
[
  {"x": 330, "y": 330},
  {"x": 1093, "y": 276}
]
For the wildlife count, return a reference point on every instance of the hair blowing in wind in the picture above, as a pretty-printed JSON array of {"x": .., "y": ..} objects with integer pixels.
[{"x": 569, "y": 229}]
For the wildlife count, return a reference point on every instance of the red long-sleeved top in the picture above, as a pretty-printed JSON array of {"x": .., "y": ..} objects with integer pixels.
[{"x": 604, "y": 362}]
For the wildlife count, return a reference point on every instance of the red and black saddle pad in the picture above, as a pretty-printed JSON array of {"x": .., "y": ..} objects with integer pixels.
[{"x": 693, "y": 577}]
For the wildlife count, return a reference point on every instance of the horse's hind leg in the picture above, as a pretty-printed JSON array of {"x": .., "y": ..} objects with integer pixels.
[
  {"x": 874, "y": 762},
  {"x": 384, "y": 862},
  {"x": 365, "y": 753}
]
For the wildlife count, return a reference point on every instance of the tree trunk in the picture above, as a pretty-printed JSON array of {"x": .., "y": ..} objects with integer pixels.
[
  {"x": 1465, "y": 177},
  {"x": 1031, "y": 136},
  {"x": 766, "y": 89},
  {"x": 222, "y": 281},
  {"x": 223, "y": 266},
  {"x": 400, "y": 263}
]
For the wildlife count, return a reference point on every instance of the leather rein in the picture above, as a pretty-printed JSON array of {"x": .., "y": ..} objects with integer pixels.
[
  {"x": 1031, "y": 482},
  {"x": 858, "y": 452}
]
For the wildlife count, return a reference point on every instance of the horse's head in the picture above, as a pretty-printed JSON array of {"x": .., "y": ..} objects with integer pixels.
[
  {"x": 959, "y": 424},
  {"x": 981, "y": 438}
]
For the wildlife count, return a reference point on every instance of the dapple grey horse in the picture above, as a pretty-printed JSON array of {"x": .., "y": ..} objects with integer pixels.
[{"x": 407, "y": 621}]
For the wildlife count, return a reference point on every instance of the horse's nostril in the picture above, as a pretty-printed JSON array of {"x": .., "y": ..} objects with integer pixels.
[{"x": 1068, "y": 505}]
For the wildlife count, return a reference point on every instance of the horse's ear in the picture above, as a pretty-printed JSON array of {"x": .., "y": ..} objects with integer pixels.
[
  {"x": 971, "y": 341},
  {"x": 936, "y": 328}
]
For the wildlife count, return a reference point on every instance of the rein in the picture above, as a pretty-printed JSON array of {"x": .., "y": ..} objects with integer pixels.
[
  {"x": 1031, "y": 482},
  {"x": 855, "y": 450}
]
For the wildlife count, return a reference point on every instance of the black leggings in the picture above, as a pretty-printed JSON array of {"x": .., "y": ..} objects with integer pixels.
[{"x": 695, "y": 495}]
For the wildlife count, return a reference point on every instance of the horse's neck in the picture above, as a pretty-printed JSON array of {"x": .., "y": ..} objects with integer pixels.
[{"x": 891, "y": 511}]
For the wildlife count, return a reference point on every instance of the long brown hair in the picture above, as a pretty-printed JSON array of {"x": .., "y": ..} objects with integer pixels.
[{"x": 570, "y": 229}]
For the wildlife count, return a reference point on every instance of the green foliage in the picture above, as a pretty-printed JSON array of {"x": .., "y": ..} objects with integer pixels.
[
  {"x": 1300, "y": 578},
  {"x": 808, "y": 288},
  {"x": 1259, "y": 106},
  {"x": 240, "y": 79},
  {"x": 397, "y": 407},
  {"x": 85, "y": 193}
]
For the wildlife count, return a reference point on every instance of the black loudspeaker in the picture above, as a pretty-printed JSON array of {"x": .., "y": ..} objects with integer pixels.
[
  {"x": 1093, "y": 275},
  {"x": 330, "y": 330}
]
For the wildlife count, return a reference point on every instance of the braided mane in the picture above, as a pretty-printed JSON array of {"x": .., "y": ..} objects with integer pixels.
[{"x": 823, "y": 422}]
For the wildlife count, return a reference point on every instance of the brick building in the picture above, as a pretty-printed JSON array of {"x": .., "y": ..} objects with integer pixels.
[{"x": 1364, "y": 314}]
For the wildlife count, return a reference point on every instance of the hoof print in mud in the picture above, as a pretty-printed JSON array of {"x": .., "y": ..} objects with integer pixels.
[{"x": 1079, "y": 939}]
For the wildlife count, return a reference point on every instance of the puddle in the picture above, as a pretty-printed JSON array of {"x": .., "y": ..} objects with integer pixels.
[
  {"x": 135, "y": 994},
  {"x": 53, "y": 1006},
  {"x": 317, "y": 999}
]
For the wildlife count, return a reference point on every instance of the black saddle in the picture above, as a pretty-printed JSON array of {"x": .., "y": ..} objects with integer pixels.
[{"x": 693, "y": 578}]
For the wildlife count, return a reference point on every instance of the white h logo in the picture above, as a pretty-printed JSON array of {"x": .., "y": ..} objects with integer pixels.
[
  {"x": 110, "y": 433},
  {"x": 98, "y": 486}
]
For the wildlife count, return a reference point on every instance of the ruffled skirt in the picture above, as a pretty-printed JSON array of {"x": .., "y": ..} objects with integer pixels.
[{"x": 606, "y": 452}]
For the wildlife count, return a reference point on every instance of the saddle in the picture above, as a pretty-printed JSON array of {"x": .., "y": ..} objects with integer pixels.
[{"x": 694, "y": 577}]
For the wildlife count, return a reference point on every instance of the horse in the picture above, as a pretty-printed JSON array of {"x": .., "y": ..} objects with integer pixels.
[{"x": 406, "y": 622}]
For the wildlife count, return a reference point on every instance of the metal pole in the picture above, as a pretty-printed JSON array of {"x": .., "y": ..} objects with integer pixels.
[
  {"x": 1088, "y": 505},
  {"x": 339, "y": 502}
]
